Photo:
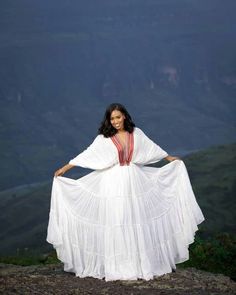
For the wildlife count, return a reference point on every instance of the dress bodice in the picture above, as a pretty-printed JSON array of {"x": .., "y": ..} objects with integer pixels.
[
  {"x": 102, "y": 152},
  {"x": 125, "y": 149}
]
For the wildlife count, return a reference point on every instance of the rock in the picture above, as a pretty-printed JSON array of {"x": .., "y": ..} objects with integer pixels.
[{"x": 52, "y": 279}]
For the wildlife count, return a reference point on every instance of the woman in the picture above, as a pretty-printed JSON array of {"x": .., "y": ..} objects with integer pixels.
[{"x": 124, "y": 220}]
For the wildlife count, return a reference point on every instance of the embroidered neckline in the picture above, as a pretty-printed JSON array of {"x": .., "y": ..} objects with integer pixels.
[
  {"x": 123, "y": 143},
  {"x": 124, "y": 159}
]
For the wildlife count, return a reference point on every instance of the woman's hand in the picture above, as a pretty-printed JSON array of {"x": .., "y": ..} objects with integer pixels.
[
  {"x": 171, "y": 158},
  {"x": 63, "y": 170},
  {"x": 60, "y": 172}
]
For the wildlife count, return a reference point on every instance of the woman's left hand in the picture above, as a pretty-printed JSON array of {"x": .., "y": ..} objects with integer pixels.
[{"x": 59, "y": 172}]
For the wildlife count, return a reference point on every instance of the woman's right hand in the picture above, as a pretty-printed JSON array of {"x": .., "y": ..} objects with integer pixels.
[{"x": 59, "y": 172}]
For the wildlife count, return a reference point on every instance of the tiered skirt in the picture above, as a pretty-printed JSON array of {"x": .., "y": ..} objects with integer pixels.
[{"x": 125, "y": 222}]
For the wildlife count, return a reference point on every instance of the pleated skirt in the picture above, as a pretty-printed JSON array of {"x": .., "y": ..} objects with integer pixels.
[{"x": 125, "y": 222}]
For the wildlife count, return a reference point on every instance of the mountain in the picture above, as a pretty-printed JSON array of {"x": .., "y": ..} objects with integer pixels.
[
  {"x": 25, "y": 210},
  {"x": 62, "y": 62}
]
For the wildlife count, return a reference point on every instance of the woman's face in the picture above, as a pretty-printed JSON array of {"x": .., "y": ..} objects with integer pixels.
[{"x": 117, "y": 120}]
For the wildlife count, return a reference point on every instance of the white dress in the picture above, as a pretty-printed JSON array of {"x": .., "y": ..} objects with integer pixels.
[{"x": 124, "y": 220}]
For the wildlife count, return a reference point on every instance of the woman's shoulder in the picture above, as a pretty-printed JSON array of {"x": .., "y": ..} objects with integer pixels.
[
  {"x": 100, "y": 141},
  {"x": 100, "y": 138},
  {"x": 140, "y": 133},
  {"x": 138, "y": 130}
]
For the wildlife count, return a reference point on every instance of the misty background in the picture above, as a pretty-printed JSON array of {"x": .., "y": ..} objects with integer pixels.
[{"x": 171, "y": 63}]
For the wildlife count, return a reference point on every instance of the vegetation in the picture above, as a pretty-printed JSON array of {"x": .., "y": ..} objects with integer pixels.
[
  {"x": 212, "y": 174},
  {"x": 25, "y": 257},
  {"x": 216, "y": 254}
]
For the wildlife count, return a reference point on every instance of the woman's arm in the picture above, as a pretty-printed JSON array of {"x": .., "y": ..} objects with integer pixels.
[
  {"x": 63, "y": 170},
  {"x": 171, "y": 158}
]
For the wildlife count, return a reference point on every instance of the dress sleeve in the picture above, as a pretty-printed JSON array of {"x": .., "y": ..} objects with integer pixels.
[
  {"x": 96, "y": 156},
  {"x": 148, "y": 151}
]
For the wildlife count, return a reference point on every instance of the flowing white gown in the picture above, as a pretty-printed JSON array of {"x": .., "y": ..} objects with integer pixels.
[{"x": 124, "y": 220}]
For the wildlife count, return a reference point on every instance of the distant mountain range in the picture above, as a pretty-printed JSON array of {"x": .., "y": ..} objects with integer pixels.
[
  {"x": 172, "y": 63},
  {"x": 25, "y": 211}
]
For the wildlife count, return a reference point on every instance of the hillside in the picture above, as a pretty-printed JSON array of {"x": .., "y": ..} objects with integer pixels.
[
  {"x": 171, "y": 63},
  {"x": 213, "y": 177},
  {"x": 24, "y": 211}
]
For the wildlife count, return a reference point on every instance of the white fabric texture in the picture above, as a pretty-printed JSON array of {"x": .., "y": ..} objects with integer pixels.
[{"x": 123, "y": 222}]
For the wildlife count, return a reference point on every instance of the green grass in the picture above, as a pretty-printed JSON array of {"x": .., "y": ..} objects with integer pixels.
[{"x": 26, "y": 257}]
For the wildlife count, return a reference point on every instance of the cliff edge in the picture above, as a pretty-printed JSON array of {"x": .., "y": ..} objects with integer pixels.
[{"x": 52, "y": 279}]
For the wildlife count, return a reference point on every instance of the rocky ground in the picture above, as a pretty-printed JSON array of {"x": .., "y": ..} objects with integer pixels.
[{"x": 51, "y": 279}]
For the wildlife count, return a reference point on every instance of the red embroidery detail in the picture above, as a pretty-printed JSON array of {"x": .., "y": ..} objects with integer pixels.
[
  {"x": 121, "y": 153},
  {"x": 131, "y": 146},
  {"x": 119, "y": 148}
]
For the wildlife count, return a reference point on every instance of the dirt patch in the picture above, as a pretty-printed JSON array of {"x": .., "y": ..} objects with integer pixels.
[{"x": 52, "y": 279}]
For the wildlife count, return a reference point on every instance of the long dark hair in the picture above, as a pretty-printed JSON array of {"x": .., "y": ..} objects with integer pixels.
[{"x": 106, "y": 127}]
